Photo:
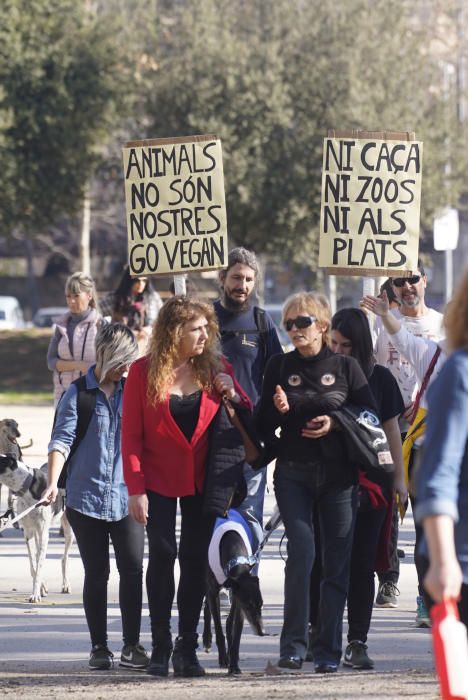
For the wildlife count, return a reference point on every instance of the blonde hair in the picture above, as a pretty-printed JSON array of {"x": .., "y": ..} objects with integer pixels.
[
  {"x": 456, "y": 315},
  {"x": 81, "y": 282},
  {"x": 164, "y": 346},
  {"x": 313, "y": 304},
  {"x": 116, "y": 346}
]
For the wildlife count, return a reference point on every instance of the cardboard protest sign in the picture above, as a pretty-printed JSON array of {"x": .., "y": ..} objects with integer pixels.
[
  {"x": 371, "y": 198},
  {"x": 176, "y": 212}
]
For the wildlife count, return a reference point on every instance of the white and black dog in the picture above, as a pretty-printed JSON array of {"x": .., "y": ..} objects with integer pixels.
[{"x": 28, "y": 484}]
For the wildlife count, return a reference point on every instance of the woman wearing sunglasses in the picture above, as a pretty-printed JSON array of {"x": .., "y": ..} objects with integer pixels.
[{"x": 313, "y": 475}]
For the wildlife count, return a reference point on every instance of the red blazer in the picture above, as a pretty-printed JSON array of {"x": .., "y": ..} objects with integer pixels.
[{"x": 156, "y": 454}]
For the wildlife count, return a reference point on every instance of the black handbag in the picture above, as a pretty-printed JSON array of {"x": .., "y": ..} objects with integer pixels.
[
  {"x": 366, "y": 443},
  {"x": 257, "y": 454}
]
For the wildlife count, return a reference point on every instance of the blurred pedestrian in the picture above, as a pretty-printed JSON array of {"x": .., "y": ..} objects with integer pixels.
[
  {"x": 72, "y": 346},
  {"x": 442, "y": 478},
  {"x": 97, "y": 497},
  {"x": 136, "y": 303},
  {"x": 176, "y": 449}
]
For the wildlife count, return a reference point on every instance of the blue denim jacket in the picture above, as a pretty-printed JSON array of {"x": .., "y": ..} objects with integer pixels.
[
  {"x": 442, "y": 479},
  {"x": 95, "y": 483}
]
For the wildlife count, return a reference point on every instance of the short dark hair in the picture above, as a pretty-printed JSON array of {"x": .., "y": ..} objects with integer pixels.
[
  {"x": 353, "y": 324},
  {"x": 388, "y": 287}
]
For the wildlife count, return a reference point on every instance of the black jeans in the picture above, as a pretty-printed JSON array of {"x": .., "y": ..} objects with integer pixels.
[
  {"x": 128, "y": 539},
  {"x": 369, "y": 523},
  {"x": 301, "y": 489},
  {"x": 196, "y": 530}
]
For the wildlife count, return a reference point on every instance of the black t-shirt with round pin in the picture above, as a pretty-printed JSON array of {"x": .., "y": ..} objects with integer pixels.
[{"x": 315, "y": 386}]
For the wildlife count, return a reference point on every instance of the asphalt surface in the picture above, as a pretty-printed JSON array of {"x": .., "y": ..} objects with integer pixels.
[{"x": 44, "y": 647}]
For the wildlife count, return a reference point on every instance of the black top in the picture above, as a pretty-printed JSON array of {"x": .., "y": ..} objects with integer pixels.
[
  {"x": 185, "y": 411},
  {"x": 242, "y": 344},
  {"x": 315, "y": 386},
  {"x": 386, "y": 393}
]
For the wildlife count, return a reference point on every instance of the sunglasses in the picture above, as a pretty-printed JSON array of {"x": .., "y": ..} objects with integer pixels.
[
  {"x": 400, "y": 281},
  {"x": 300, "y": 322}
]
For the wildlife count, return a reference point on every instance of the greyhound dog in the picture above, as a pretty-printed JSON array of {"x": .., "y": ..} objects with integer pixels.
[
  {"x": 231, "y": 562},
  {"x": 28, "y": 484},
  {"x": 9, "y": 434}
]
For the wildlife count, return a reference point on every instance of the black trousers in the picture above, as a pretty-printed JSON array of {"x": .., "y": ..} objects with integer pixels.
[
  {"x": 367, "y": 531},
  {"x": 195, "y": 535},
  {"x": 128, "y": 538},
  {"x": 369, "y": 523}
]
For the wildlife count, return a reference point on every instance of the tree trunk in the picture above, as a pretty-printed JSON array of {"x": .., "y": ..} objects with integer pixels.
[
  {"x": 85, "y": 263},
  {"x": 33, "y": 290}
]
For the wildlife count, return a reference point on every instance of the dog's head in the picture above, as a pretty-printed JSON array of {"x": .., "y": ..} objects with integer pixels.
[
  {"x": 8, "y": 464},
  {"x": 246, "y": 589},
  {"x": 9, "y": 434}
]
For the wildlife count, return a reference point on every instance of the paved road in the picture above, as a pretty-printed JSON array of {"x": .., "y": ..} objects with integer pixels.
[{"x": 44, "y": 647}]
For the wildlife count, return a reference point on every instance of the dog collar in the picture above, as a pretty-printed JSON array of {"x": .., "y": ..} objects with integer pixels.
[{"x": 250, "y": 561}]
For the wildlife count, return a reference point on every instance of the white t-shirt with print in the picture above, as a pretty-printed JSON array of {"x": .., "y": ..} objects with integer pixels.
[{"x": 427, "y": 326}]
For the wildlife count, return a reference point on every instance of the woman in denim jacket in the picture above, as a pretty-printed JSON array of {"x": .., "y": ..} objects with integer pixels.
[
  {"x": 97, "y": 497},
  {"x": 442, "y": 479}
]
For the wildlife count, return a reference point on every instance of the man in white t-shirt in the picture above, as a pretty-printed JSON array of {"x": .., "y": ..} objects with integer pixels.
[{"x": 420, "y": 320}]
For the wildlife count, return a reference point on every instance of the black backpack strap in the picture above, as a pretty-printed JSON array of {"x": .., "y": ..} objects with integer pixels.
[
  {"x": 262, "y": 327},
  {"x": 85, "y": 405}
]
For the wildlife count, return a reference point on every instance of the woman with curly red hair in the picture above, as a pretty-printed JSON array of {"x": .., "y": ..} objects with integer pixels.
[{"x": 176, "y": 446}]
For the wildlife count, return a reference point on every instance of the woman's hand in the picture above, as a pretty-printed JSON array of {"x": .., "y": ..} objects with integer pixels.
[
  {"x": 138, "y": 508},
  {"x": 401, "y": 490},
  {"x": 318, "y": 427},
  {"x": 377, "y": 305},
  {"x": 444, "y": 581},
  {"x": 50, "y": 494},
  {"x": 280, "y": 400},
  {"x": 224, "y": 384}
]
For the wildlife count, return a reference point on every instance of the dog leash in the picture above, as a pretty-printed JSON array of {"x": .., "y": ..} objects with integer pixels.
[{"x": 23, "y": 513}]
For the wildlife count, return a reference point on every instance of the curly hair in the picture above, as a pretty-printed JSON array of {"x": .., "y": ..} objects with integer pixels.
[
  {"x": 456, "y": 315},
  {"x": 314, "y": 304},
  {"x": 165, "y": 339}
]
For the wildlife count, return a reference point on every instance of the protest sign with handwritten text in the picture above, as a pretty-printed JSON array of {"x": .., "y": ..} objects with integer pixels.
[
  {"x": 176, "y": 212},
  {"x": 371, "y": 195}
]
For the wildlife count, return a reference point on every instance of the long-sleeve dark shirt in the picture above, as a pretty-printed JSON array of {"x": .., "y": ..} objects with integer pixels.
[{"x": 315, "y": 386}]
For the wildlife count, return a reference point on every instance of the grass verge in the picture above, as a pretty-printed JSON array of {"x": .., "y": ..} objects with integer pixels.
[{"x": 24, "y": 376}]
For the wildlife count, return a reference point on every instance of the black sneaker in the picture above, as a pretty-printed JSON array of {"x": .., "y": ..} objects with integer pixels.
[
  {"x": 356, "y": 656},
  {"x": 159, "y": 662},
  {"x": 134, "y": 656},
  {"x": 387, "y": 595},
  {"x": 326, "y": 668},
  {"x": 184, "y": 659},
  {"x": 100, "y": 658},
  {"x": 292, "y": 662}
]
